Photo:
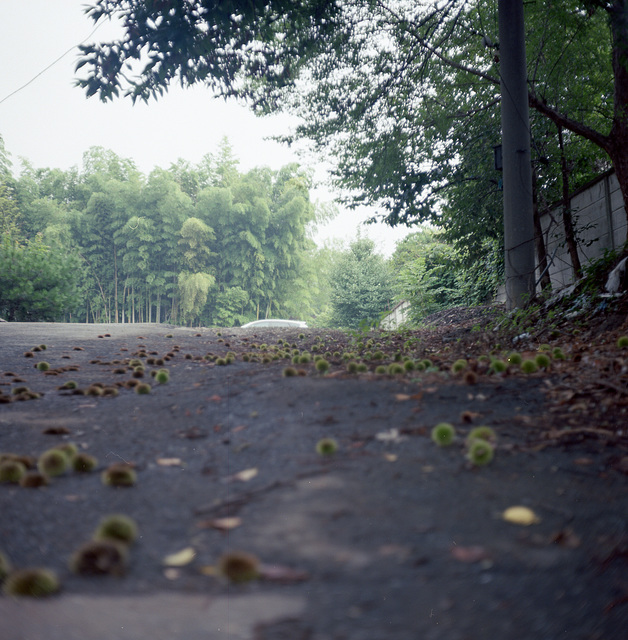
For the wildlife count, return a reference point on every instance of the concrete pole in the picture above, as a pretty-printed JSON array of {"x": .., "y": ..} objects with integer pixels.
[{"x": 517, "y": 169}]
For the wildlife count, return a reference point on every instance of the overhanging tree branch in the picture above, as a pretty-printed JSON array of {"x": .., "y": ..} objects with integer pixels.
[{"x": 564, "y": 121}]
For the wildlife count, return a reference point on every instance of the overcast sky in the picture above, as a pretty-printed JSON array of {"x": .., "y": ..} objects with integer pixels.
[{"x": 51, "y": 123}]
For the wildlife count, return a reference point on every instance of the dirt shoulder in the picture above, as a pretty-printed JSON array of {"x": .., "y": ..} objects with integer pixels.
[{"x": 390, "y": 537}]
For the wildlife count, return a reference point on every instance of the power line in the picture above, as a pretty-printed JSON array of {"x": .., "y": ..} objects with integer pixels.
[{"x": 52, "y": 64}]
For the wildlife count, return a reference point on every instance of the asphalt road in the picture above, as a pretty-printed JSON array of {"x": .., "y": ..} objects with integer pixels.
[{"x": 391, "y": 538}]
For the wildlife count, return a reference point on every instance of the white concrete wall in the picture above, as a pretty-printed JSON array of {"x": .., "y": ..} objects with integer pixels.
[
  {"x": 397, "y": 316},
  {"x": 600, "y": 222}
]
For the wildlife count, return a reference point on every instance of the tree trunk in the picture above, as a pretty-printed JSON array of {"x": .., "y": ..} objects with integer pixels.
[
  {"x": 115, "y": 284},
  {"x": 570, "y": 235},
  {"x": 616, "y": 142},
  {"x": 539, "y": 243},
  {"x": 617, "y": 147}
]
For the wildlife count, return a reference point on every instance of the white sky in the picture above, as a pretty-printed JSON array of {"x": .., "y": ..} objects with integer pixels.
[{"x": 51, "y": 123}]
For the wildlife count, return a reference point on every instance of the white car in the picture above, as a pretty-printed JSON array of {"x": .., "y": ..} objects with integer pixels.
[{"x": 292, "y": 324}]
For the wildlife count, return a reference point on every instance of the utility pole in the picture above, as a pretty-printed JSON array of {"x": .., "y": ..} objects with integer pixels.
[{"x": 517, "y": 169}]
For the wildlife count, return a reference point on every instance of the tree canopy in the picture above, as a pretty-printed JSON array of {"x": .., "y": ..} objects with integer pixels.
[
  {"x": 37, "y": 282},
  {"x": 192, "y": 243},
  {"x": 403, "y": 96},
  {"x": 213, "y": 41},
  {"x": 361, "y": 288}
]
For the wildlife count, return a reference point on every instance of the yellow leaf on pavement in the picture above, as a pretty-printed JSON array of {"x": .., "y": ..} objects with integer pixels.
[
  {"x": 246, "y": 475},
  {"x": 222, "y": 524},
  {"x": 169, "y": 462},
  {"x": 180, "y": 558},
  {"x": 520, "y": 515}
]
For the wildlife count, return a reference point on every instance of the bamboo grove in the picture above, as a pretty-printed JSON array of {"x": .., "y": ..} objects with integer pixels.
[{"x": 199, "y": 243}]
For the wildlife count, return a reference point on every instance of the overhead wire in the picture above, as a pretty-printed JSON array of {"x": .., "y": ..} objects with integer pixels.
[{"x": 52, "y": 64}]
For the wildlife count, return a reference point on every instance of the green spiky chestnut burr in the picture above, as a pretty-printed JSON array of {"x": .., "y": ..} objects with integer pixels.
[
  {"x": 529, "y": 366},
  {"x": 33, "y": 480},
  {"x": 11, "y": 471},
  {"x": 481, "y": 433},
  {"x": 69, "y": 448},
  {"x": 99, "y": 557},
  {"x": 32, "y": 582},
  {"x": 481, "y": 452},
  {"x": 119, "y": 475},
  {"x": 498, "y": 366},
  {"x": 5, "y": 566},
  {"x": 117, "y": 527},
  {"x": 84, "y": 463},
  {"x": 239, "y": 567},
  {"x": 53, "y": 463},
  {"x": 443, "y": 434},
  {"x": 326, "y": 446}
]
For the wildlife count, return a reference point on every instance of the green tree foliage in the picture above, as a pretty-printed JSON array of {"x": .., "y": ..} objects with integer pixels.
[
  {"x": 9, "y": 212},
  {"x": 37, "y": 282},
  {"x": 361, "y": 288},
  {"x": 5, "y": 161},
  {"x": 201, "y": 243},
  {"x": 231, "y": 305},
  {"x": 196, "y": 238},
  {"x": 403, "y": 95},
  {"x": 194, "y": 288},
  {"x": 428, "y": 274},
  {"x": 217, "y": 43}
]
